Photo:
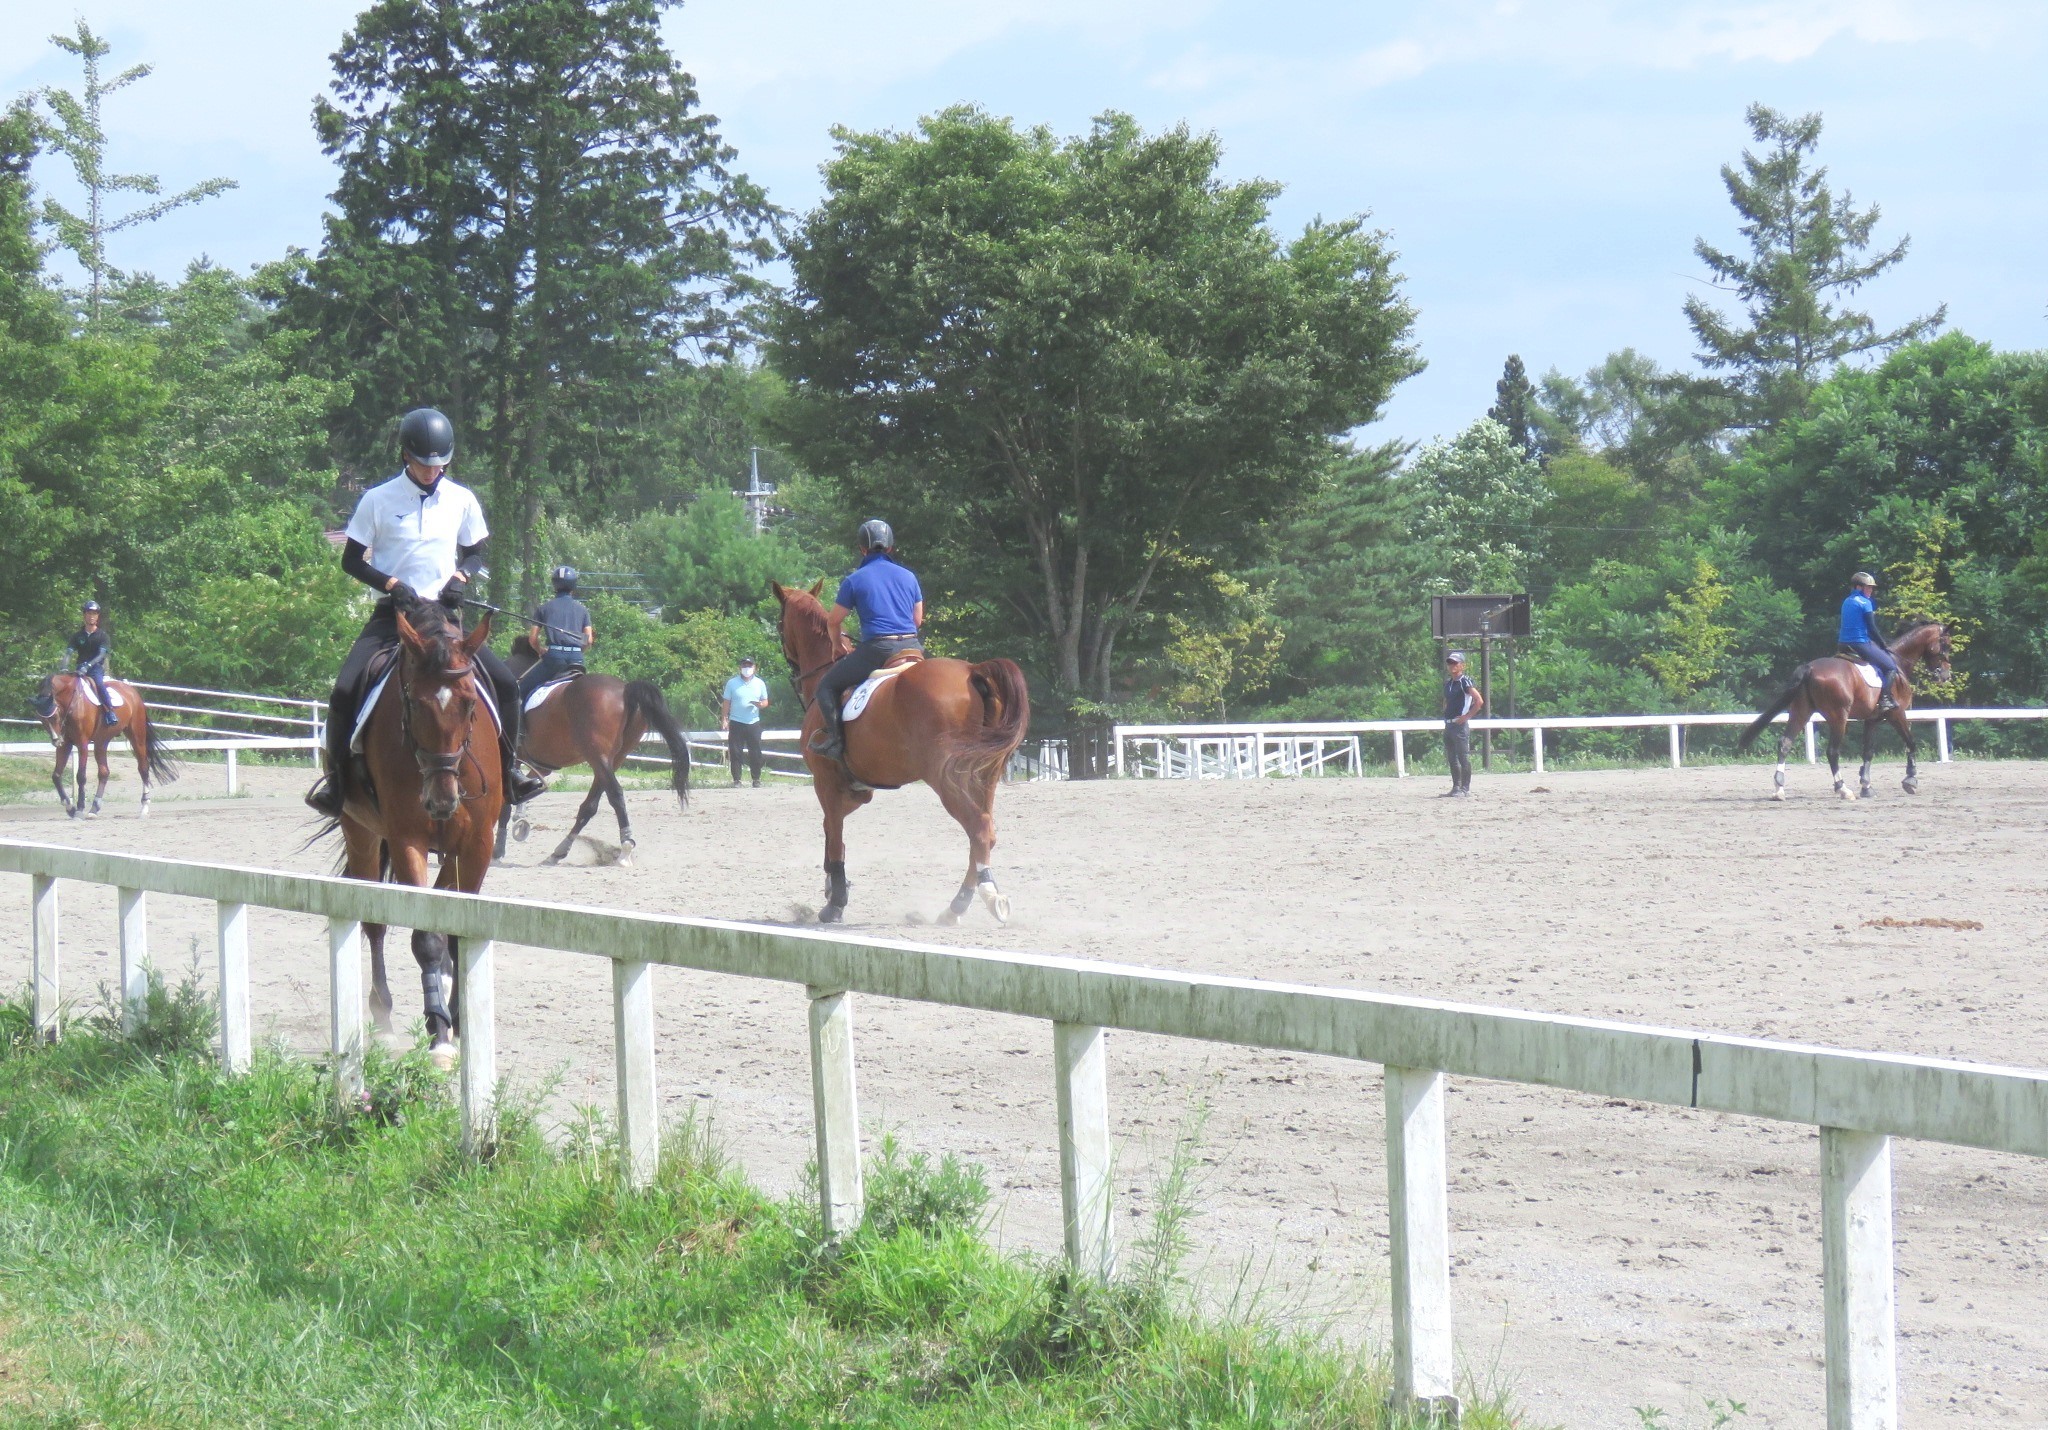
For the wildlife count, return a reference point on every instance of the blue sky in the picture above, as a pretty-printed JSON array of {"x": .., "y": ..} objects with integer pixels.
[{"x": 1543, "y": 168}]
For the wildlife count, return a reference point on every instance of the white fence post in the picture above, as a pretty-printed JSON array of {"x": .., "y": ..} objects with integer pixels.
[
  {"x": 1941, "y": 740},
  {"x": 1674, "y": 747},
  {"x": 133, "y": 907},
  {"x": 43, "y": 935},
  {"x": 633, "y": 1058},
  {"x": 477, "y": 1008},
  {"x": 1856, "y": 1273},
  {"x": 836, "y": 1111},
  {"x": 1400, "y": 756},
  {"x": 345, "y": 1010},
  {"x": 1536, "y": 746},
  {"x": 1080, "y": 1065},
  {"x": 1812, "y": 752},
  {"x": 1418, "y": 1205},
  {"x": 232, "y": 788},
  {"x": 232, "y": 921}
]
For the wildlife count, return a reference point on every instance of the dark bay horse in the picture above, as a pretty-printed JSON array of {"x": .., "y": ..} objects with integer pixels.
[
  {"x": 76, "y": 722},
  {"x": 596, "y": 720},
  {"x": 434, "y": 787},
  {"x": 949, "y": 723},
  {"x": 1834, "y": 688}
]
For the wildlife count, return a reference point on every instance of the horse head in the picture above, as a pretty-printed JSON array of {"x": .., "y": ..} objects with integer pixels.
[
  {"x": 807, "y": 644},
  {"x": 438, "y": 701},
  {"x": 1930, "y": 644}
]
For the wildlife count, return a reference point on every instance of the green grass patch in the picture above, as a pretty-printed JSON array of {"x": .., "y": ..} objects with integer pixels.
[
  {"x": 22, "y": 775},
  {"x": 182, "y": 1247}
]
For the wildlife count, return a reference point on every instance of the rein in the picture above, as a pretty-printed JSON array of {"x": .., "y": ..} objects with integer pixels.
[{"x": 429, "y": 762}]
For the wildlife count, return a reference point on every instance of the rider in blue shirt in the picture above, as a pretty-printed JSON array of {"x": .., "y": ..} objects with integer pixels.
[
  {"x": 1859, "y": 632},
  {"x": 891, "y": 608}
]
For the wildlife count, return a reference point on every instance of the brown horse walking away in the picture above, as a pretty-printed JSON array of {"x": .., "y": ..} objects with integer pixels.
[
  {"x": 1835, "y": 689},
  {"x": 76, "y": 722},
  {"x": 949, "y": 723},
  {"x": 595, "y": 720},
  {"x": 434, "y": 787}
]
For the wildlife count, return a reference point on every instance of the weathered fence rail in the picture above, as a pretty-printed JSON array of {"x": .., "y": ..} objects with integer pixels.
[
  {"x": 1256, "y": 750},
  {"x": 1860, "y": 1101}
]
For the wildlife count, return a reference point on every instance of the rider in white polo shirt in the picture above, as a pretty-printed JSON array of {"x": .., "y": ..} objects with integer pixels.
[{"x": 426, "y": 534}]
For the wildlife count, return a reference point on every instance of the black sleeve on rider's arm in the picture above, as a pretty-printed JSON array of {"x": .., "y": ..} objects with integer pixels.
[
  {"x": 1878, "y": 635},
  {"x": 470, "y": 559},
  {"x": 352, "y": 562}
]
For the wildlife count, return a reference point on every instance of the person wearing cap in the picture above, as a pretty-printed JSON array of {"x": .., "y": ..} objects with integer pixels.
[
  {"x": 1859, "y": 632},
  {"x": 739, "y": 715},
  {"x": 86, "y": 653},
  {"x": 890, "y": 603},
  {"x": 1462, "y": 701},
  {"x": 560, "y": 633}
]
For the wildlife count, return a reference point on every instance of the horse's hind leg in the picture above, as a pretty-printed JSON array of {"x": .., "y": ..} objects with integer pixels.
[
  {"x": 1869, "y": 753},
  {"x": 1796, "y": 719},
  {"x": 1838, "y": 733},
  {"x": 99, "y": 755},
  {"x": 836, "y": 887},
  {"x": 617, "y": 796},
  {"x": 974, "y": 811},
  {"x": 364, "y": 853},
  {"x": 1911, "y": 783},
  {"x": 584, "y": 811}
]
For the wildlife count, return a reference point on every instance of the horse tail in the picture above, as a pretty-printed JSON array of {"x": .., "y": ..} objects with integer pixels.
[
  {"x": 163, "y": 766},
  {"x": 644, "y": 699},
  {"x": 1005, "y": 718},
  {"x": 1776, "y": 708}
]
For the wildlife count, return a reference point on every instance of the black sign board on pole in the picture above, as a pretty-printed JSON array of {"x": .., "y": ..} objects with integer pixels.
[{"x": 1484, "y": 619}]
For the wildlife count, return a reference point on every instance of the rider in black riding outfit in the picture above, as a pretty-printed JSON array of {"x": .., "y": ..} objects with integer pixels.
[
  {"x": 88, "y": 648},
  {"x": 559, "y": 635},
  {"x": 430, "y": 532}
]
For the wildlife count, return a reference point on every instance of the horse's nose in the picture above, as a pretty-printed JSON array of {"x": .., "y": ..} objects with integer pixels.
[{"x": 440, "y": 799}]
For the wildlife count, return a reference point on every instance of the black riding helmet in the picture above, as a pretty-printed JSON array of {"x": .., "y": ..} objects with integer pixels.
[
  {"x": 564, "y": 579},
  {"x": 427, "y": 437},
  {"x": 876, "y": 536}
]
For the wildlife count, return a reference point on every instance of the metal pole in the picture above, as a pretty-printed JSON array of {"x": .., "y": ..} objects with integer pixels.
[{"x": 1486, "y": 692}]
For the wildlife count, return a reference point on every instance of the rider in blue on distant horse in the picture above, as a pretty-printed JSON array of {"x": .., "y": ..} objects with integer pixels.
[{"x": 1859, "y": 632}]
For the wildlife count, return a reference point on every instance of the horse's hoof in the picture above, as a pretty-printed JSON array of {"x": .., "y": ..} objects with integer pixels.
[
  {"x": 1848, "y": 795},
  {"x": 1778, "y": 794},
  {"x": 1910, "y": 786},
  {"x": 520, "y": 829},
  {"x": 71, "y": 812},
  {"x": 831, "y": 914},
  {"x": 444, "y": 1056},
  {"x": 625, "y": 859},
  {"x": 948, "y": 919},
  {"x": 144, "y": 814}
]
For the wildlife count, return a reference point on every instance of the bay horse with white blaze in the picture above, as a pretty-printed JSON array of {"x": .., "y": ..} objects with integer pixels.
[
  {"x": 1834, "y": 688},
  {"x": 595, "y": 720},
  {"x": 76, "y": 722},
  {"x": 950, "y": 723},
  {"x": 434, "y": 787}
]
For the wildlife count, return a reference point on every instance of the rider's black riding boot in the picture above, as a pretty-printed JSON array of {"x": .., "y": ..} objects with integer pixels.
[
  {"x": 521, "y": 784},
  {"x": 326, "y": 795},
  {"x": 831, "y": 737},
  {"x": 1885, "y": 703}
]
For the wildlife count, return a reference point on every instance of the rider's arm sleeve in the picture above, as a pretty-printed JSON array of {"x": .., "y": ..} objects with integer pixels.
[
  {"x": 1877, "y": 634},
  {"x": 353, "y": 563},
  {"x": 470, "y": 559}
]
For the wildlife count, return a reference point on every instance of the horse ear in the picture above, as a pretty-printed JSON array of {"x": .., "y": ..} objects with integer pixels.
[
  {"x": 408, "y": 634},
  {"x": 818, "y": 587},
  {"x": 781, "y": 591},
  {"x": 473, "y": 642}
]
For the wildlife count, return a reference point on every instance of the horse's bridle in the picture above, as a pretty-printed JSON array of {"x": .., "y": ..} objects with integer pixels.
[
  {"x": 797, "y": 679},
  {"x": 430, "y": 763}
]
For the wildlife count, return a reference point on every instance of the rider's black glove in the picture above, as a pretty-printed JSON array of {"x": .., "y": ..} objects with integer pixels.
[
  {"x": 403, "y": 595},
  {"x": 451, "y": 595}
]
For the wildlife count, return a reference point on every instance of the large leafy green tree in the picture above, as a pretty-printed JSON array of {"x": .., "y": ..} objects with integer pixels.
[
  {"x": 534, "y": 222},
  {"x": 1073, "y": 371},
  {"x": 1477, "y": 497},
  {"x": 1808, "y": 250}
]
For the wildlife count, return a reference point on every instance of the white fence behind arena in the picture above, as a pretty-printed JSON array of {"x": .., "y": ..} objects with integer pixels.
[
  {"x": 1859, "y": 1101},
  {"x": 235, "y": 721},
  {"x": 1253, "y": 751}
]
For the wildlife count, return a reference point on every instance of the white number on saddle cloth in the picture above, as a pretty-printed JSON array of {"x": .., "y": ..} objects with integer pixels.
[
  {"x": 92, "y": 696},
  {"x": 862, "y": 693}
]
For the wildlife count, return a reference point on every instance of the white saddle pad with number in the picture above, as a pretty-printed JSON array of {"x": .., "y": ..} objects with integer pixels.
[
  {"x": 541, "y": 694},
  {"x": 92, "y": 696},
  {"x": 862, "y": 693}
]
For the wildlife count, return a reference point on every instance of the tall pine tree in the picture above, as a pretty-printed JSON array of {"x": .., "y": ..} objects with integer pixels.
[
  {"x": 534, "y": 223},
  {"x": 1807, "y": 252},
  {"x": 1514, "y": 407}
]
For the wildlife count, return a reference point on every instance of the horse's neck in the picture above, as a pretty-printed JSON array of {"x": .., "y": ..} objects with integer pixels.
[{"x": 1912, "y": 648}]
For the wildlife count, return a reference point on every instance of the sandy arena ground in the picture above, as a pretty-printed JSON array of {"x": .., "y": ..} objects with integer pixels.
[{"x": 1606, "y": 1256}]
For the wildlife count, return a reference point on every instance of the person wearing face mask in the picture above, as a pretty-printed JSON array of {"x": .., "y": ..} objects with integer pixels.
[
  {"x": 739, "y": 715},
  {"x": 425, "y": 533}
]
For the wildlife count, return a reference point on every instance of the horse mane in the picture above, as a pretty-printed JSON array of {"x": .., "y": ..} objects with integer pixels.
[
  {"x": 439, "y": 633},
  {"x": 811, "y": 612}
]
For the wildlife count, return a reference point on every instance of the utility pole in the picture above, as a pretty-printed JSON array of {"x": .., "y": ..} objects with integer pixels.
[{"x": 757, "y": 493}]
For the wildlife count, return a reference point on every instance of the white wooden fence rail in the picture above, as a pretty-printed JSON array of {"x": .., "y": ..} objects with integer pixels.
[
  {"x": 1310, "y": 747},
  {"x": 1859, "y": 1100}
]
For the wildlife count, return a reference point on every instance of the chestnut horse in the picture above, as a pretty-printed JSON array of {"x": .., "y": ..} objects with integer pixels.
[
  {"x": 595, "y": 720},
  {"x": 1833, "y": 688},
  {"x": 76, "y": 722},
  {"x": 949, "y": 723},
  {"x": 431, "y": 749}
]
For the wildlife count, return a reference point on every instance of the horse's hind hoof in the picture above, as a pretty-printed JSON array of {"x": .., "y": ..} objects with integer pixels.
[
  {"x": 831, "y": 914},
  {"x": 1848, "y": 795},
  {"x": 520, "y": 829},
  {"x": 1778, "y": 794},
  {"x": 443, "y": 1056},
  {"x": 1910, "y": 786},
  {"x": 947, "y": 919}
]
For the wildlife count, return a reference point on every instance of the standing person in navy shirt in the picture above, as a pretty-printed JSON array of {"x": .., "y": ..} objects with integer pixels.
[
  {"x": 1859, "y": 632},
  {"x": 891, "y": 607},
  {"x": 1462, "y": 701}
]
